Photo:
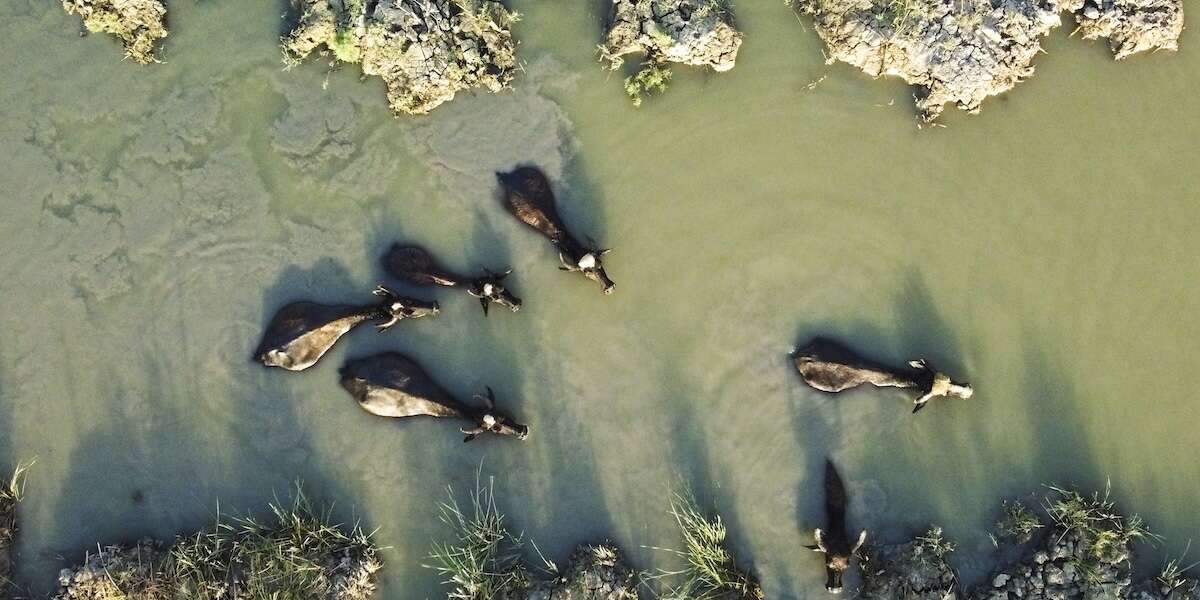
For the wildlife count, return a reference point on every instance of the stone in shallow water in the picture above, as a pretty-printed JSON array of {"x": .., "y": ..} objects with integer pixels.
[
  {"x": 139, "y": 24},
  {"x": 424, "y": 50},
  {"x": 594, "y": 573}
]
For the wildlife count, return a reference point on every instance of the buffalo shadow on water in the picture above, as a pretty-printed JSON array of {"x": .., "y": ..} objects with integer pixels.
[
  {"x": 822, "y": 431},
  {"x": 697, "y": 470},
  {"x": 557, "y": 462},
  {"x": 465, "y": 357},
  {"x": 909, "y": 452},
  {"x": 867, "y": 442},
  {"x": 952, "y": 448},
  {"x": 122, "y": 473}
]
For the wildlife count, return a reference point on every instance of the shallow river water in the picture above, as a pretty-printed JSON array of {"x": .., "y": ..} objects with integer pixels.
[{"x": 153, "y": 218}]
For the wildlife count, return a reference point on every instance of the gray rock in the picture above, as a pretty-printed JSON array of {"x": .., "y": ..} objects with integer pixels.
[
  {"x": 916, "y": 570},
  {"x": 424, "y": 56},
  {"x": 962, "y": 51},
  {"x": 594, "y": 573},
  {"x": 1132, "y": 26},
  {"x": 692, "y": 32}
]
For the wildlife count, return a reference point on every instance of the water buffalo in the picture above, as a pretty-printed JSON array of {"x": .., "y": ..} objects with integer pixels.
[
  {"x": 302, "y": 332},
  {"x": 393, "y": 385},
  {"x": 416, "y": 265},
  {"x": 833, "y": 541},
  {"x": 831, "y": 367},
  {"x": 528, "y": 196}
]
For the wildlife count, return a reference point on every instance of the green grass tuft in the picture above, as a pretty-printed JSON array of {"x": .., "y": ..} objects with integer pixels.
[
  {"x": 1104, "y": 533},
  {"x": 711, "y": 571},
  {"x": 1173, "y": 575},
  {"x": 652, "y": 78},
  {"x": 296, "y": 554},
  {"x": 10, "y": 495},
  {"x": 482, "y": 562},
  {"x": 1017, "y": 522},
  {"x": 933, "y": 546}
]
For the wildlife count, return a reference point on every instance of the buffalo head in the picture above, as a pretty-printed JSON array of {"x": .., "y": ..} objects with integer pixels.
[
  {"x": 939, "y": 384},
  {"x": 489, "y": 420},
  {"x": 396, "y": 307},
  {"x": 838, "y": 553},
  {"x": 490, "y": 289},
  {"x": 591, "y": 266}
]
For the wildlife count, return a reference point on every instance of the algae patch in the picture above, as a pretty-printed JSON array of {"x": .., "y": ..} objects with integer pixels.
[
  {"x": 139, "y": 24},
  {"x": 425, "y": 51}
]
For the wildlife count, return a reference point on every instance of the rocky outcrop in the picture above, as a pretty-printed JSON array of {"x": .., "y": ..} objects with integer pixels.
[
  {"x": 1063, "y": 569},
  {"x": 690, "y": 32},
  {"x": 962, "y": 51},
  {"x": 915, "y": 570},
  {"x": 139, "y": 24},
  {"x": 1132, "y": 26},
  {"x": 425, "y": 51},
  {"x": 594, "y": 573}
]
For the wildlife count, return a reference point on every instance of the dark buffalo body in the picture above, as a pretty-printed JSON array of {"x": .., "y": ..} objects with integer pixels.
[
  {"x": 302, "y": 332},
  {"x": 833, "y": 540},
  {"x": 831, "y": 367},
  {"x": 527, "y": 195},
  {"x": 393, "y": 385},
  {"x": 416, "y": 265},
  {"x": 529, "y": 198}
]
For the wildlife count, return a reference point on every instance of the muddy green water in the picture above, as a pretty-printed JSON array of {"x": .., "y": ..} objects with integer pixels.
[{"x": 152, "y": 219}]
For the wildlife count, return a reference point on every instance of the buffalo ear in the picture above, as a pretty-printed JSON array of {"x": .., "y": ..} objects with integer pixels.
[
  {"x": 919, "y": 406},
  {"x": 470, "y": 436},
  {"x": 484, "y": 303},
  {"x": 813, "y": 547},
  {"x": 862, "y": 538}
]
